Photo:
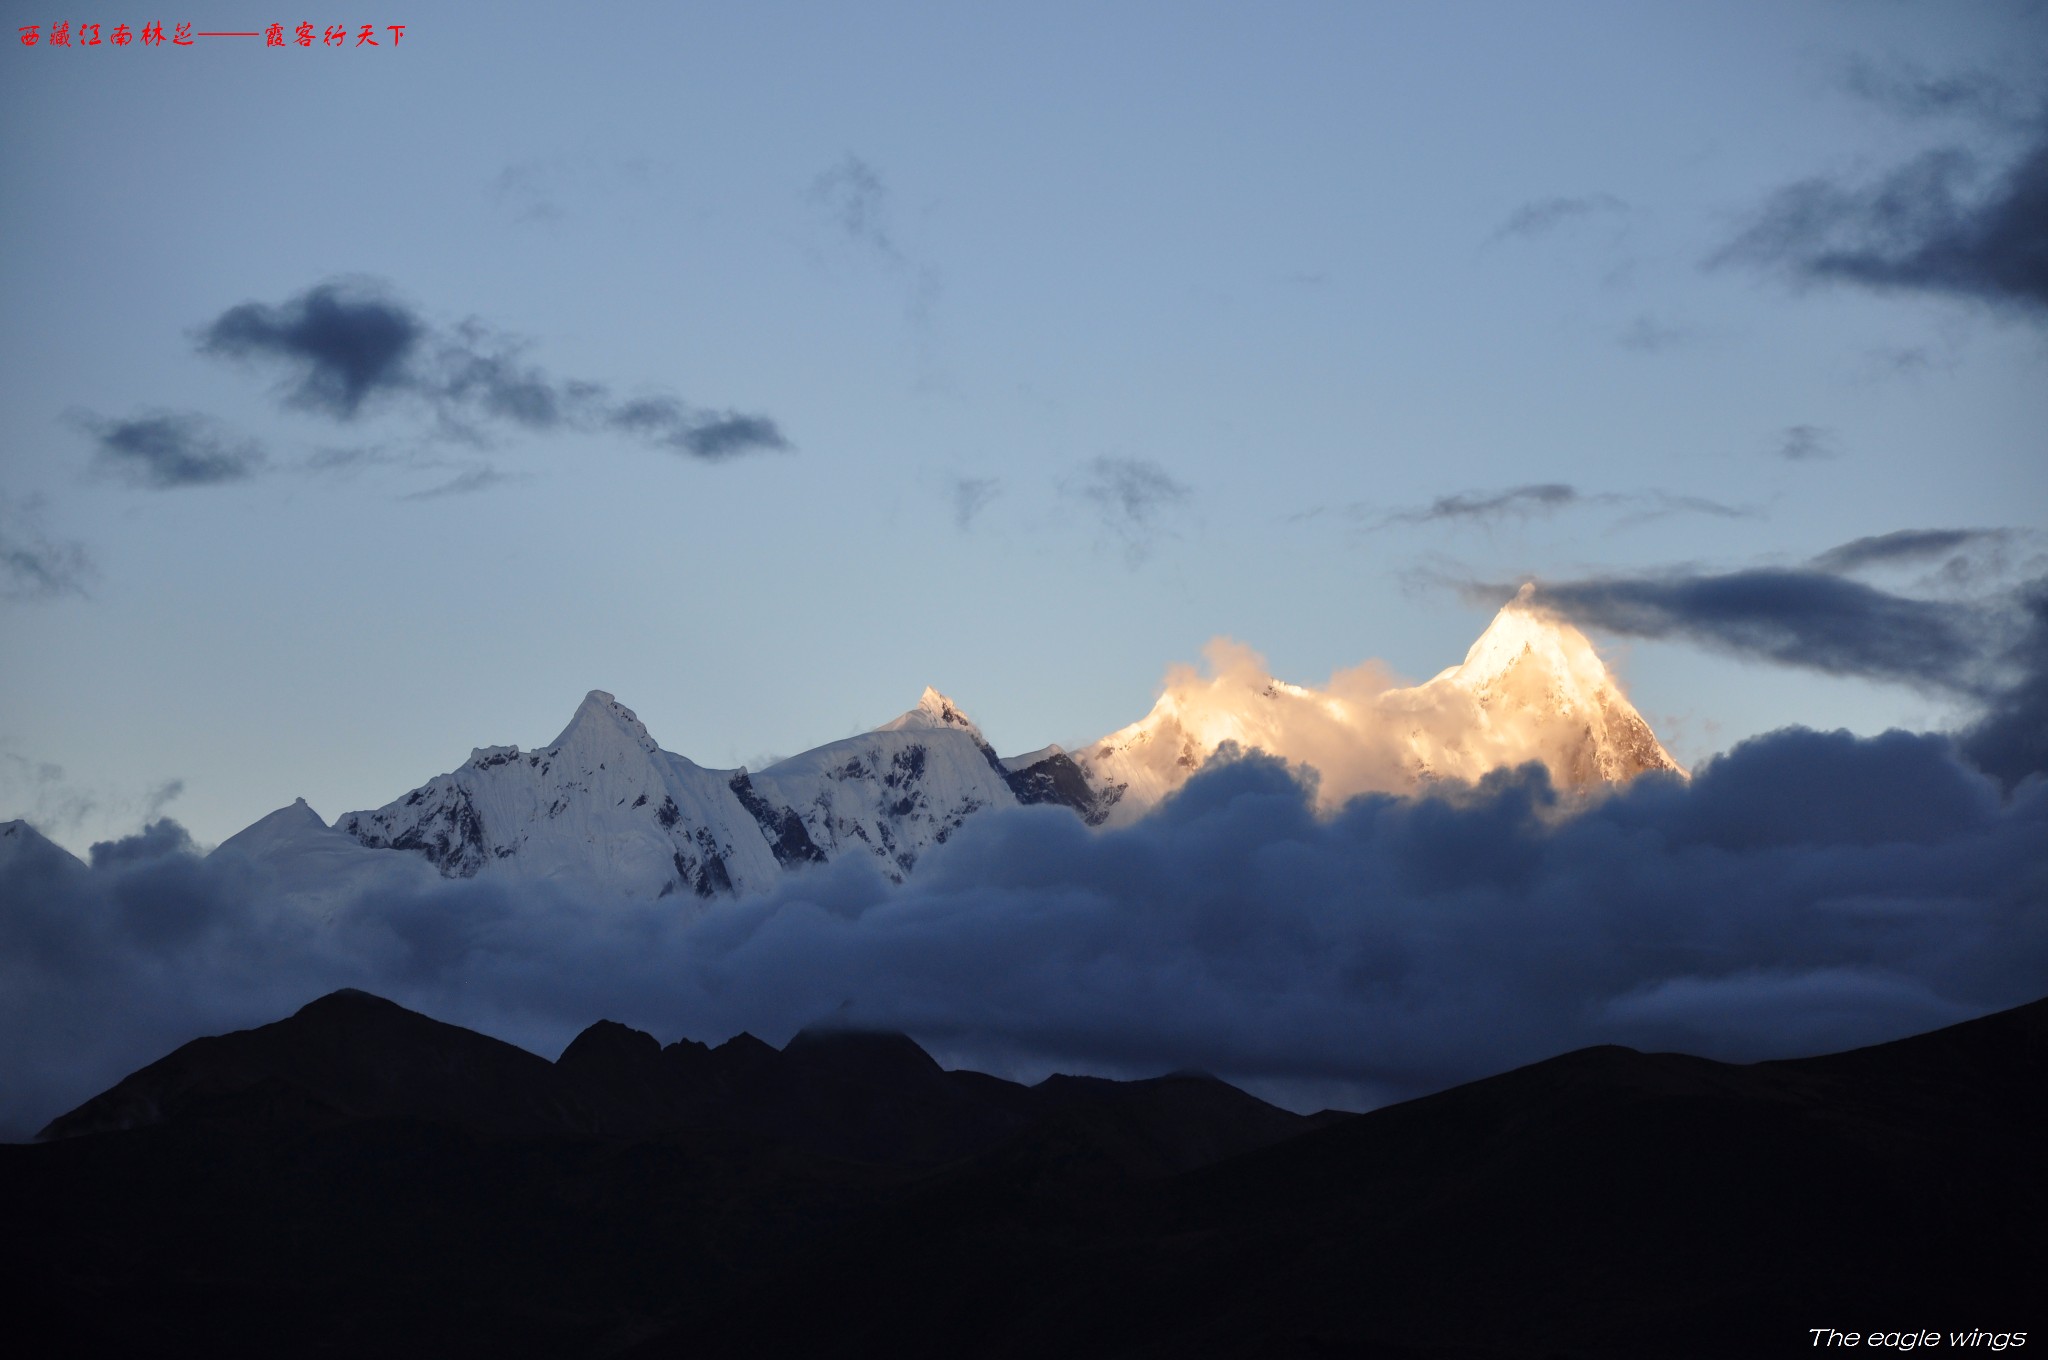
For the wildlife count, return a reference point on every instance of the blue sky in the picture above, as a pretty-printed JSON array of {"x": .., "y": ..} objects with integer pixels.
[{"x": 1069, "y": 337}]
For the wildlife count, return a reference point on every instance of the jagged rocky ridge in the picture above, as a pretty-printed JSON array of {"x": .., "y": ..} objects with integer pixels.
[{"x": 604, "y": 805}]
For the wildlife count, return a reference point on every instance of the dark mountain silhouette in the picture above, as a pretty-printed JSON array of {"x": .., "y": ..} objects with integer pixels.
[
  {"x": 359, "y": 1179},
  {"x": 351, "y": 1056}
]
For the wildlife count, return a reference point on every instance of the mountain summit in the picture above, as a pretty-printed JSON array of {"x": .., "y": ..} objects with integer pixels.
[
  {"x": 1530, "y": 689},
  {"x": 933, "y": 710},
  {"x": 604, "y": 806},
  {"x": 1539, "y": 685}
]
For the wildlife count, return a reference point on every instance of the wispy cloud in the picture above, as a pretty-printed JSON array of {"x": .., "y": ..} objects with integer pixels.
[
  {"x": 463, "y": 483},
  {"x": 542, "y": 190},
  {"x": 1909, "y": 90},
  {"x": 1541, "y": 216},
  {"x": 1807, "y": 444},
  {"x": 456, "y": 475},
  {"x": 971, "y": 495},
  {"x": 1517, "y": 502},
  {"x": 1647, "y": 335},
  {"x": 1539, "y": 499},
  {"x": 855, "y": 199},
  {"x": 1132, "y": 496},
  {"x": 527, "y": 191},
  {"x": 42, "y": 792},
  {"x": 33, "y": 566},
  {"x": 853, "y": 194},
  {"x": 1906, "y": 547},
  {"x": 166, "y": 450}
]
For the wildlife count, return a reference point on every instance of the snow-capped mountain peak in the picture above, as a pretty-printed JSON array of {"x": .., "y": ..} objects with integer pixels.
[
  {"x": 1531, "y": 688},
  {"x": 21, "y": 843},
  {"x": 293, "y": 819},
  {"x": 1537, "y": 679},
  {"x": 934, "y": 710},
  {"x": 1521, "y": 634},
  {"x": 599, "y": 719}
]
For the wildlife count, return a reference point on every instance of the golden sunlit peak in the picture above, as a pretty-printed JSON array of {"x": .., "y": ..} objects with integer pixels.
[{"x": 1531, "y": 687}]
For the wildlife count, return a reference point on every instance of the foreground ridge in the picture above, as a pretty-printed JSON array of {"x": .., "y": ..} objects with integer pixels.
[{"x": 845, "y": 1196}]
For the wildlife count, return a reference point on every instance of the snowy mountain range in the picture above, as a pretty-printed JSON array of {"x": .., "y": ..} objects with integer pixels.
[{"x": 604, "y": 806}]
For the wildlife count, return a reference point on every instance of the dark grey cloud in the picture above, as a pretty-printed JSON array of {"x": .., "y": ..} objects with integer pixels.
[
  {"x": 971, "y": 495},
  {"x": 710, "y": 435},
  {"x": 156, "y": 840},
  {"x": 343, "y": 344},
  {"x": 1539, "y": 217},
  {"x": 478, "y": 372},
  {"x": 728, "y": 434},
  {"x": 166, "y": 450},
  {"x": 34, "y": 566},
  {"x": 2010, "y": 740},
  {"x": 1939, "y": 224},
  {"x": 348, "y": 347},
  {"x": 1795, "y": 617},
  {"x": 1806, "y": 891},
  {"x": 1906, "y": 547},
  {"x": 1132, "y": 496},
  {"x": 1806, "y": 443}
]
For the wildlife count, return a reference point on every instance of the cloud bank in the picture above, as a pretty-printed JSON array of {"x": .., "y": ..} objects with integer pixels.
[{"x": 1805, "y": 891}]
